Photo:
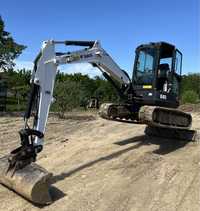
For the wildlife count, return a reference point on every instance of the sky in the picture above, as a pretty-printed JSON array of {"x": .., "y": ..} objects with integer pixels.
[{"x": 120, "y": 25}]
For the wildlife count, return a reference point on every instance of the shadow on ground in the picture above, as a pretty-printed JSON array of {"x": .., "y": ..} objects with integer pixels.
[
  {"x": 126, "y": 121},
  {"x": 165, "y": 146},
  {"x": 56, "y": 194},
  {"x": 62, "y": 176}
]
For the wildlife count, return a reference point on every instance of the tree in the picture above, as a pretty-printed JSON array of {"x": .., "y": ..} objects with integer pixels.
[
  {"x": 190, "y": 96},
  {"x": 9, "y": 49},
  {"x": 105, "y": 92},
  {"x": 191, "y": 82},
  {"x": 67, "y": 96}
]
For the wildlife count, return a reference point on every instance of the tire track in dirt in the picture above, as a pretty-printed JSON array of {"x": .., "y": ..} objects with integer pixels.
[{"x": 111, "y": 166}]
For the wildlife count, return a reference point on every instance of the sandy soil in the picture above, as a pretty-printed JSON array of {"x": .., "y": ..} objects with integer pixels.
[{"x": 101, "y": 165}]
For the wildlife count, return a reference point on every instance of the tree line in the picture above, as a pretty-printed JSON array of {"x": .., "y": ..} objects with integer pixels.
[
  {"x": 190, "y": 88},
  {"x": 75, "y": 90},
  {"x": 71, "y": 90}
]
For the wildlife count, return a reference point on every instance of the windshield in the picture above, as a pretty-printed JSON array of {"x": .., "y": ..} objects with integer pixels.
[{"x": 145, "y": 67}]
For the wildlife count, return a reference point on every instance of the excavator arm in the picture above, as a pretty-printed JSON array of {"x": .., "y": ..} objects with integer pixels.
[
  {"x": 42, "y": 85},
  {"x": 32, "y": 181}
]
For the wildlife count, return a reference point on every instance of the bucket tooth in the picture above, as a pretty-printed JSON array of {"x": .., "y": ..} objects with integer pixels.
[{"x": 32, "y": 182}]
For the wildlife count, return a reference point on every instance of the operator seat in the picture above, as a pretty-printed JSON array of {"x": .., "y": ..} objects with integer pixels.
[{"x": 163, "y": 71}]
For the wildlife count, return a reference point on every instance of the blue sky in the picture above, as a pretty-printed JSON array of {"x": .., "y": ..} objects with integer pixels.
[{"x": 120, "y": 25}]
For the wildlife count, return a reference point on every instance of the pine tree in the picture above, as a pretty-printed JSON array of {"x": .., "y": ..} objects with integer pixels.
[{"x": 9, "y": 49}]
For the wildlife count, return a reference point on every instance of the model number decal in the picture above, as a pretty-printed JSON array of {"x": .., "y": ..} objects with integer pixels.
[
  {"x": 164, "y": 97},
  {"x": 85, "y": 56}
]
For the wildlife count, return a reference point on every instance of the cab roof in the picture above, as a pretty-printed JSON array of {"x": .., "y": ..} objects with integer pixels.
[
  {"x": 166, "y": 49},
  {"x": 160, "y": 44}
]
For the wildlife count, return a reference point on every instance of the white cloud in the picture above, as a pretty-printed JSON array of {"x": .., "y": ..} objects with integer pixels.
[
  {"x": 23, "y": 64},
  {"x": 80, "y": 68},
  {"x": 84, "y": 68}
]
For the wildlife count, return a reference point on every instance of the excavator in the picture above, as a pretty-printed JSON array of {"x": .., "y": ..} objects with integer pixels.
[{"x": 151, "y": 97}]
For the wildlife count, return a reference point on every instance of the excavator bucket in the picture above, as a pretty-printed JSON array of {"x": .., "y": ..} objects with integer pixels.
[{"x": 32, "y": 182}]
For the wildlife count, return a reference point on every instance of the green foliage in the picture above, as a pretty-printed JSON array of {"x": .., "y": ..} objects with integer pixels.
[
  {"x": 18, "y": 81},
  {"x": 74, "y": 90},
  {"x": 18, "y": 88},
  {"x": 191, "y": 82},
  {"x": 67, "y": 96},
  {"x": 16, "y": 104},
  {"x": 89, "y": 87},
  {"x": 105, "y": 91},
  {"x": 190, "y": 96},
  {"x": 9, "y": 49},
  {"x": 71, "y": 90}
]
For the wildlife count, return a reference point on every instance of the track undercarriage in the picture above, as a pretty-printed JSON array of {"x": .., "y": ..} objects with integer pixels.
[
  {"x": 155, "y": 82},
  {"x": 159, "y": 119}
]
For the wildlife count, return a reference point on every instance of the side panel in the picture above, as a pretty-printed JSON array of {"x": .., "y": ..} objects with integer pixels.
[{"x": 153, "y": 97}]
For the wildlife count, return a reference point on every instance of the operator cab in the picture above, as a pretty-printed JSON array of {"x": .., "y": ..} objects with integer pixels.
[{"x": 157, "y": 74}]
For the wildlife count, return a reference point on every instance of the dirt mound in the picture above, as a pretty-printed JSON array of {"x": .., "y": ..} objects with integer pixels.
[
  {"x": 190, "y": 107},
  {"x": 11, "y": 114},
  {"x": 107, "y": 166},
  {"x": 80, "y": 117}
]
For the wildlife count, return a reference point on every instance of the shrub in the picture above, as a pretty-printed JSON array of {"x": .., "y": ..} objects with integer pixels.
[
  {"x": 190, "y": 96},
  {"x": 67, "y": 96}
]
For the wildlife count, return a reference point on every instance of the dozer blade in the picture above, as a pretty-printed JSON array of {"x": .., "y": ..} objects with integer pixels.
[{"x": 32, "y": 182}]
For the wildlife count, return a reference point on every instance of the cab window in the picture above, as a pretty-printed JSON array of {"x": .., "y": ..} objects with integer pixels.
[
  {"x": 178, "y": 62},
  {"x": 145, "y": 66}
]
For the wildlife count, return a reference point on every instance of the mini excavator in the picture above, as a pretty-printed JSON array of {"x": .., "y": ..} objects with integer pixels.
[{"x": 151, "y": 97}]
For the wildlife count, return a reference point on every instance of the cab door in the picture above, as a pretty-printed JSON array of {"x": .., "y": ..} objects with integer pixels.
[
  {"x": 176, "y": 79},
  {"x": 164, "y": 81},
  {"x": 168, "y": 78}
]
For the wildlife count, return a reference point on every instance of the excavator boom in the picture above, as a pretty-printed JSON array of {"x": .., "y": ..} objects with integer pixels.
[{"x": 18, "y": 170}]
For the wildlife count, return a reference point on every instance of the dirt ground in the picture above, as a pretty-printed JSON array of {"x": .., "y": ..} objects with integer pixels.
[{"x": 101, "y": 165}]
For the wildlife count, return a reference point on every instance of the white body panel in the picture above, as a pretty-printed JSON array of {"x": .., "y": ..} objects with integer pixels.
[
  {"x": 45, "y": 77},
  {"x": 46, "y": 70}
]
